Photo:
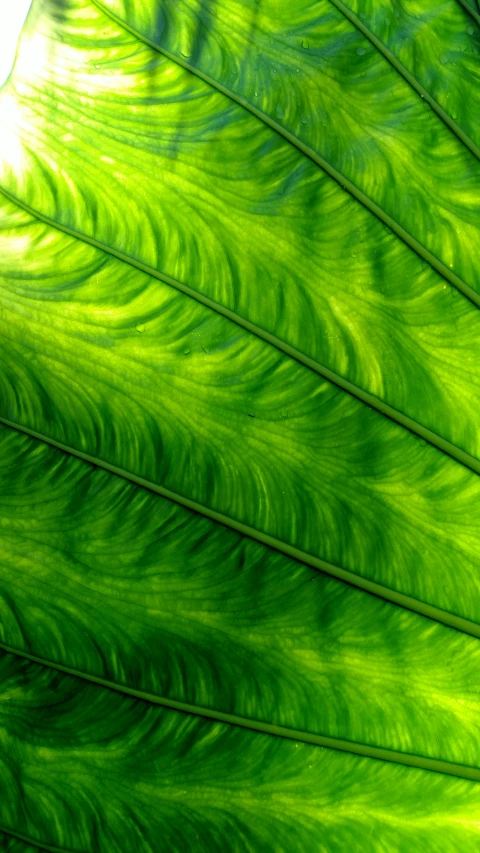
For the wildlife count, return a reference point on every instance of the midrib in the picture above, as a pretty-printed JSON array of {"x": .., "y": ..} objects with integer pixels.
[
  {"x": 420, "y": 762},
  {"x": 341, "y": 179},
  {"x": 431, "y": 612}
]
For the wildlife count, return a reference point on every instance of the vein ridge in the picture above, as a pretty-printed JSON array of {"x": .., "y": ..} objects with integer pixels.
[
  {"x": 471, "y": 11},
  {"x": 383, "y": 408},
  {"x": 343, "y": 181},
  {"x": 419, "y": 762},
  {"x": 33, "y": 841},
  {"x": 408, "y": 76},
  {"x": 450, "y": 620}
]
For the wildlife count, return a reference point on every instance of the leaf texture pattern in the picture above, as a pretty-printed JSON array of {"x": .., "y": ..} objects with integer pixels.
[
  {"x": 140, "y": 777},
  {"x": 239, "y": 334}
]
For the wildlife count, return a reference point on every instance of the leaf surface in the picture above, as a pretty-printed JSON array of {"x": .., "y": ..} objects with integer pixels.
[
  {"x": 295, "y": 258},
  {"x": 235, "y": 627},
  {"x": 140, "y": 777},
  {"x": 239, "y": 442},
  {"x": 146, "y": 378}
]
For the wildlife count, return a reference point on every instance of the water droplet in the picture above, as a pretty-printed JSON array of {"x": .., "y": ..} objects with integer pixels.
[
  {"x": 305, "y": 44},
  {"x": 141, "y": 328},
  {"x": 186, "y": 351},
  {"x": 360, "y": 51},
  {"x": 443, "y": 59},
  {"x": 279, "y": 111},
  {"x": 470, "y": 31},
  {"x": 303, "y": 119}
]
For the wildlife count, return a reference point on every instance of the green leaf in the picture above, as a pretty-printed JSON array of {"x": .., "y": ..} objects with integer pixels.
[
  {"x": 239, "y": 491},
  {"x": 10, "y": 844},
  {"x": 97, "y": 573},
  {"x": 123, "y": 775}
]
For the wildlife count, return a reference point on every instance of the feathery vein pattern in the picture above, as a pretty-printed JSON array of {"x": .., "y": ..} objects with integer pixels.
[
  {"x": 140, "y": 777},
  {"x": 235, "y": 626},
  {"x": 407, "y": 74},
  {"x": 369, "y": 399},
  {"x": 366, "y": 117},
  {"x": 136, "y": 174},
  {"x": 384, "y": 321},
  {"x": 145, "y": 378}
]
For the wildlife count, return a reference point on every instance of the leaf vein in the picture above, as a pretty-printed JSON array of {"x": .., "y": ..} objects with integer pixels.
[
  {"x": 451, "y": 620},
  {"x": 410, "y": 78},
  {"x": 419, "y": 762},
  {"x": 341, "y": 179}
]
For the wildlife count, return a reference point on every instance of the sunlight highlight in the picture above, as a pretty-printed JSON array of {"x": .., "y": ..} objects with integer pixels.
[
  {"x": 12, "y": 18},
  {"x": 10, "y": 146}
]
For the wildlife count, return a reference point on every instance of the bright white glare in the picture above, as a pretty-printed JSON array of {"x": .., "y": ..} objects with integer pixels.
[{"x": 12, "y": 18}]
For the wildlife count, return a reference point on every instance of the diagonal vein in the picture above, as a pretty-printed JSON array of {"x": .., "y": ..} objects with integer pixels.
[
  {"x": 27, "y": 839},
  {"x": 424, "y": 94},
  {"x": 451, "y": 620},
  {"x": 471, "y": 11},
  {"x": 419, "y": 762},
  {"x": 309, "y": 152},
  {"x": 365, "y": 397}
]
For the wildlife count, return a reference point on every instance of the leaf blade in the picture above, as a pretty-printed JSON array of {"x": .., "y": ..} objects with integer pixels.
[
  {"x": 394, "y": 383},
  {"x": 236, "y": 628},
  {"x": 270, "y": 792},
  {"x": 104, "y": 360}
]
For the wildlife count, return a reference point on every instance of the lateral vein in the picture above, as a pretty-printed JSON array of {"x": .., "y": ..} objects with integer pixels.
[
  {"x": 471, "y": 11},
  {"x": 419, "y": 762},
  {"x": 451, "y": 620},
  {"x": 414, "y": 83},
  {"x": 365, "y": 397},
  {"x": 309, "y": 152},
  {"x": 27, "y": 839}
]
